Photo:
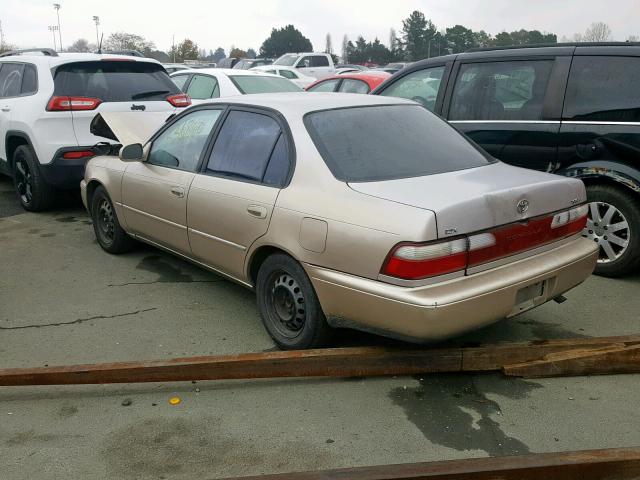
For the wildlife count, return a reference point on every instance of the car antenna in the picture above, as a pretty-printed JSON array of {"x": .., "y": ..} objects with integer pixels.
[{"x": 100, "y": 45}]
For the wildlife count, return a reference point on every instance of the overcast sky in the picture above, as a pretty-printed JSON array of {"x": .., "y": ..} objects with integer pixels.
[{"x": 246, "y": 23}]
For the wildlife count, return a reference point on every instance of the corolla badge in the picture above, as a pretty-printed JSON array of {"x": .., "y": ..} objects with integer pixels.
[{"x": 522, "y": 206}]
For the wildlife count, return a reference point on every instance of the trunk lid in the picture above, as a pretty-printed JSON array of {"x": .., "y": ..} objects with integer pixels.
[{"x": 475, "y": 199}]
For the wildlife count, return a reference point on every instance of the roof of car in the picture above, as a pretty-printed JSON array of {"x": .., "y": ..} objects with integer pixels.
[
  {"x": 299, "y": 103},
  {"x": 373, "y": 78},
  {"x": 230, "y": 72},
  {"x": 64, "y": 57}
]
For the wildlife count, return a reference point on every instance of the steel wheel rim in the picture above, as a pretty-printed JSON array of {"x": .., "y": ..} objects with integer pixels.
[
  {"x": 24, "y": 182},
  {"x": 106, "y": 220},
  {"x": 609, "y": 228},
  {"x": 286, "y": 304}
]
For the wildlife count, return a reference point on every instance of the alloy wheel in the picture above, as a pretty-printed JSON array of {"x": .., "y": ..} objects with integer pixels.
[
  {"x": 286, "y": 304},
  {"x": 24, "y": 182},
  {"x": 608, "y": 227}
]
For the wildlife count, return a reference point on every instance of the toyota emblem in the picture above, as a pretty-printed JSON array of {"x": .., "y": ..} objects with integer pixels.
[{"x": 522, "y": 206}]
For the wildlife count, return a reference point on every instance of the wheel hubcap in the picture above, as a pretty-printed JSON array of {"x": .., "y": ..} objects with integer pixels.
[
  {"x": 608, "y": 227},
  {"x": 287, "y": 304},
  {"x": 24, "y": 183},
  {"x": 106, "y": 222}
]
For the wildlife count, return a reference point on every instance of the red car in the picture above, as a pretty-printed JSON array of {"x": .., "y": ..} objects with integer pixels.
[{"x": 358, "y": 82}]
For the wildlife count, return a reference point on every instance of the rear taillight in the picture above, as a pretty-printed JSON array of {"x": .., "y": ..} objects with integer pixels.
[
  {"x": 58, "y": 104},
  {"x": 411, "y": 261},
  {"x": 78, "y": 154},
  {"x": 417, "y": 261},
  {"x": 180, "y": 100}
]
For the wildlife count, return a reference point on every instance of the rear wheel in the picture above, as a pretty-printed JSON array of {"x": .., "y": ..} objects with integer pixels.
[
  {"x": 34, "y": 193},
  {"x": 288, "y": 305},
  {"x": 614, "y": 224},
  {"x": 110, "y": 235}
]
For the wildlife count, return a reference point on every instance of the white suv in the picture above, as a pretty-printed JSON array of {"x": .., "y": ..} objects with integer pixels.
[{"x": 47, "y": 103}]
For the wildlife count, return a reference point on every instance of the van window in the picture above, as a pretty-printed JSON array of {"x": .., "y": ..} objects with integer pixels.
[
  {"x": 603, "y": 89},
  {"x": 420, "y": 86},
  {"x": 500, "y": 90}
]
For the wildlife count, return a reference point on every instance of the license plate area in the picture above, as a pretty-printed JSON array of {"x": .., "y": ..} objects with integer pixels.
[{"x": 529, "y": 297}]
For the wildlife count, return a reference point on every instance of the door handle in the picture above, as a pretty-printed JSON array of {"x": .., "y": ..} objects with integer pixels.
[
  {"x": 178, "y": 191},
  {"x": 257, "y": 211}
]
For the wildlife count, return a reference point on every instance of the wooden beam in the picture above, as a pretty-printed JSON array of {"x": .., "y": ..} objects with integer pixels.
[
  {"x": 596, "y": 361},
  {"x": 332, "y": 362},
  {"x": 610, "y": 464}
]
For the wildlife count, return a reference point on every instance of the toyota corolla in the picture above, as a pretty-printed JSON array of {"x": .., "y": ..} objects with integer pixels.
[{"x": 343, "y": 211}]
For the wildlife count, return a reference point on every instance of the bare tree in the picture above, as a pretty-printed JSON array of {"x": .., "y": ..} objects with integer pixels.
[
  {"x": 633, "y": 38},
  {"x": 80, "y": 45},
  {"x": 597, "y": 32},
  {"x": 328, "y": 46}
]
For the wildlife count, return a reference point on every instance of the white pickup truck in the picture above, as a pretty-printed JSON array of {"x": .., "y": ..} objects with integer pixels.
[{"x": 318, "y": 65}]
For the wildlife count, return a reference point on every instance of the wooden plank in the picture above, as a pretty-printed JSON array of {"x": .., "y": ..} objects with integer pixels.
[
  {"x": 336, "y": 362},
  {"x": 609, "y": 464},
  {"x": 606, "y": 360}
]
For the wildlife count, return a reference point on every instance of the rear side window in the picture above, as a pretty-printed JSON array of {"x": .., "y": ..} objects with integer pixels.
[
  {"x": 258, "y": 84},
  {"x": 11, "y": 79},
  {"x": 363, "y": 144},
  {"x": 326, "y": 86},
  {"x": 604, "y": 89},
  {"x": 350, "y": 85},
  {"x": 114, "y": 81},
  {"x": 500, "y": 90},
  {"x": 180, "y": 80},
  {"x": 420, "y": 86},
  {"x": 247, "y": 145},
  {"x": 319, "y": 61},
  {"x": 29, "y": 80},
  {"x": 203, "y": 87}
]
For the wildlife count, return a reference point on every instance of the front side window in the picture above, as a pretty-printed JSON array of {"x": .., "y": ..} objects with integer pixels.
[
  {"x": 248, "y": 84},
  {"x": 420, "y": 86},
  {"x": 180, "y": 80},
  {"x": 365, "y": 144},
  {"x": 244, "y": 147},
  {"x": 500, "y": 90},
  {"x": 350, "y": 85},
  {"x": 11, "y": 79},
  {"x": 603, "y": 89},
  {"x": 203, "y": 87},
  {"x": 180, "y": 145},
  {"x": 326, "y": 86},
  {"x": 306, "y": 62}
]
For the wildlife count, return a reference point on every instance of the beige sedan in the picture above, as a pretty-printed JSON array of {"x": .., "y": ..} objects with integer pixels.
[{"x": 344, "y": 211}]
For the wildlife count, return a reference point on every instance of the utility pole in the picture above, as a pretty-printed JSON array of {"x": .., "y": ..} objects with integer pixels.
[
  {"x": 53, "y": 29},
  {"x": 96, "y": 20},
  {"x": 173, "y": 47},
  {"x": 1, "y": 37},
  {"x": 57, "y": 7}
]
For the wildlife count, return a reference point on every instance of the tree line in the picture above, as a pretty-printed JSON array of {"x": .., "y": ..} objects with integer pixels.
[{"x": 418, "y": 38}]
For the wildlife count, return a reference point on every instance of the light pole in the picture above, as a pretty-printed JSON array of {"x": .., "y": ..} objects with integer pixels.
[
  {"x": 96, "y": 20},
  {"x": 57, "y": 7},
  {"x": 52, "y": 29}
]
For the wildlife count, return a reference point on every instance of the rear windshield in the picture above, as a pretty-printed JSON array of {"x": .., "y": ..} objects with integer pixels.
[
  {"x": 366, "y": 144},
  {"x": 259, "y": 84},
  {"x": 114, "y": 81}
]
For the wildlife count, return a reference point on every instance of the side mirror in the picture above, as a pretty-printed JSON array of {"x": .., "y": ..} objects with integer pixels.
[{"x": 132, "y": 153}]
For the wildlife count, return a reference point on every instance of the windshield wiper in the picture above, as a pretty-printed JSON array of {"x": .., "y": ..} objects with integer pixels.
[{"x": 150, "y": 93}]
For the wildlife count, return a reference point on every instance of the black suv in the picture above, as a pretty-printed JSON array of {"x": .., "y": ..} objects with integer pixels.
[{"x": 573, "y": 110}]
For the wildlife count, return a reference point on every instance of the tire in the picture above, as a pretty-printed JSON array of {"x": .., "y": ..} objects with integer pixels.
[
  {"x": 34, "y": 193},
  {"x": 288, "y": 305},
  {"x": 110, "y": 235},
  {"x": 614, "y": 223}
]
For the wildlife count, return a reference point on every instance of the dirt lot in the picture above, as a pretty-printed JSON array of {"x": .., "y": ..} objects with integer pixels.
[{"x": 63, "y": 300}]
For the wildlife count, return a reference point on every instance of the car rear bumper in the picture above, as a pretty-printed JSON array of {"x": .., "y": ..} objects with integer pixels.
[
  {"x": 63, "y": 173},
  {"x": 438, "y": 311}
]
